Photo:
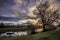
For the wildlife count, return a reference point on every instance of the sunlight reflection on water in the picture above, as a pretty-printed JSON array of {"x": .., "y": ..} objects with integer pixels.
[{"x": 14, "y": 34}]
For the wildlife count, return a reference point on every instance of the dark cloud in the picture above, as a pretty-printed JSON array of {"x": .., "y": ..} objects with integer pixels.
[
  {"x": 5, "y": 3},
  {"x": 58, "y": 1},
  {"x": 11, "y": 8},
  {"x": 6, "y": 6}
]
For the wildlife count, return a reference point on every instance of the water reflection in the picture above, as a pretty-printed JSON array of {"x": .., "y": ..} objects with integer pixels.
[{"x": 14, "y": 34}]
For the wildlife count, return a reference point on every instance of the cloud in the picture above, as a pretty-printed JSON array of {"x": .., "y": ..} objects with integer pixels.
[
  {"x": 32, "y": 8},
  {"x": 6, "y": 7},
  {"x": 15, "y": 7},
  {"x": 19, "y": 1},
  {"x": 28, "y": 20},
  {"x": 56, "y": 3},
  {"x": 12, "y": 8},
  {"x": 20, "y": 8}
]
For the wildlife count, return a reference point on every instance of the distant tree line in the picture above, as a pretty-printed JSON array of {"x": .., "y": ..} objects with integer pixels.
[{"x": 10, "y": 26}]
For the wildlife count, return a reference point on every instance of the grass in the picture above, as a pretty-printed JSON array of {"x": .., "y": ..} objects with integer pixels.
[
  {"x": 2, "y": 30},
  {"x": 49, "y": 35}
]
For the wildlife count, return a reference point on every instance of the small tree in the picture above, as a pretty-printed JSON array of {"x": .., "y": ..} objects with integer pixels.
[
  {"x": 1, "y": 25},
  {"x": 46, "y": 14},
  {"x": 31, "y": 27}
]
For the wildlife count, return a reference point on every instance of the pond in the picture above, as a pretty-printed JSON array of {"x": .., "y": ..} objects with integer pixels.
[{"x": 14, "y": 34}]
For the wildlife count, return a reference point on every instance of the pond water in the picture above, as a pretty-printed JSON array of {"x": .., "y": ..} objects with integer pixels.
[{"x": 14, "y": 34}]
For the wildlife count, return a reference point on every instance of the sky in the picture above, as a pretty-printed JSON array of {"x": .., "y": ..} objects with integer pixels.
[{"x": 18, "y": 9}]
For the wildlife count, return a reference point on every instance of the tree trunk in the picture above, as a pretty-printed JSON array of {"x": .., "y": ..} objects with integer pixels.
[
  {"x": 32, "y": 30},
  {"x": 44, "y": 28}
]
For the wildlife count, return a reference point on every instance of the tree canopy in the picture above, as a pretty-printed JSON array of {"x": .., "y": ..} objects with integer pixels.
[{"x": 47, "y": 13}]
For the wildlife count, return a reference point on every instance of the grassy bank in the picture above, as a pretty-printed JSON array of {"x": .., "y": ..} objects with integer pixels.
[
  {"x": 49, "y": 35},
  {"x": 2, "y": 30}
]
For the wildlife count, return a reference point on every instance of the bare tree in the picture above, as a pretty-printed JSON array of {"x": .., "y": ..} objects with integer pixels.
[{"x": 48, "y": 15}]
